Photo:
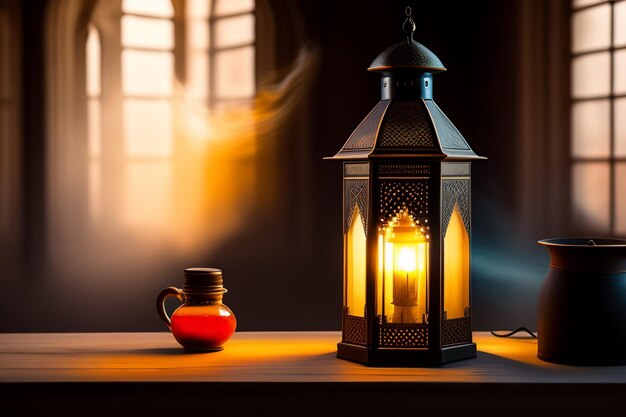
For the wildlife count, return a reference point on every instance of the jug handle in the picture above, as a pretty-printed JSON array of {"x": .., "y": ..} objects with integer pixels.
[{"x": 160, "y": 304}]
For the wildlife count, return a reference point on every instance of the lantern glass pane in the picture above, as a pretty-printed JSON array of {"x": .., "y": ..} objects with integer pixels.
[
  {"x": 619, "y": 24},
  {"x": 591, "y": 129},
  {"x": 620, "y": 198},
  {"x": 590, "y": 194},
  {"x": 590, "y": 75},
  {"x": 591, "y": 29},
  {"x": 456, "y": 267},
  {"x": 619, "y": 71},
  {"x": 619, "y": 120},
  {"x": 356, "y": 266}
]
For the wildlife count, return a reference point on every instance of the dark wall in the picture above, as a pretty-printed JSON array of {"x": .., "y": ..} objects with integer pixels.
[{"x": 284, "y": 285}]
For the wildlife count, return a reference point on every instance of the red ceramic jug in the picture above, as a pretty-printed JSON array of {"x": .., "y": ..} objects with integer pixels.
[{"x": 202, "y": 322}]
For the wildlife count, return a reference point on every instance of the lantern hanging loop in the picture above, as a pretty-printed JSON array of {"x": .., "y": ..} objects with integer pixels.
[{"x": 409, "y": 25}]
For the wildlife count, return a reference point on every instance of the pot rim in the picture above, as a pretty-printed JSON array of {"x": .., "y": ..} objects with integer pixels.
[{"x": 582, "y": 242}]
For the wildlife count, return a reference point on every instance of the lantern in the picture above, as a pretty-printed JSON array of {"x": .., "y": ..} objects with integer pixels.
[{"x": 406, "y": 193}]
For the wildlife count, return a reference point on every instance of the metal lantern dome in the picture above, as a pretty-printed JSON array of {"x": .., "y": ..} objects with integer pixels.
[{"x": 406, "y": 187}]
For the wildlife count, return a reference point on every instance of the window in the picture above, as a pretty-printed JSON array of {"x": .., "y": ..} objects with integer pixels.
[
  {"x": 202, "y": 49},
  {"x": 598, "y": 91}
]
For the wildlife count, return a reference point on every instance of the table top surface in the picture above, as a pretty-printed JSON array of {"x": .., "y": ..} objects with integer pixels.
[{"x": 264, "y": 357}]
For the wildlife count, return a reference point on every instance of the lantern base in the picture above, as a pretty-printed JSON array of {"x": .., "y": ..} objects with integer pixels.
[{"x": 405, "y": 357}]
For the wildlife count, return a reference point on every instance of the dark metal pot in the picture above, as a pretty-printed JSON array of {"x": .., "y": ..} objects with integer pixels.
[{"x": 582, "y": 303}]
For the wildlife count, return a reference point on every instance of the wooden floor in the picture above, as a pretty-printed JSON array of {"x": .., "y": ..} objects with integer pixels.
[{"x": 270, "y": 373}]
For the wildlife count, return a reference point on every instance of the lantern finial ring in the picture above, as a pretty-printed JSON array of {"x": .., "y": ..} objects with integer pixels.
[{"x": 409, "y": 25}]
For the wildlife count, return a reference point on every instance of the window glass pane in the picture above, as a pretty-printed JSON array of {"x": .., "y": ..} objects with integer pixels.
[
  {"x": 619, "y": 80},
  {"x": 582, "y": 3},
  {"x": 147, "y": 73},
  {"x": 591, "y": 28},
  {"x": 590, "y": 194},
  {"x": 590, "y": 129},
  {"x": 619, "y": 24},
  {"x": 620, "y": 128},
  {"x": 95, "y": 189},
  {"x": 93, "y": 127},
  {"x": 159, "y": 8},
  {"x": 620, "y": 198},
  {"x": 235, "y": 73},
  {"x": 590, "y": 75},
  {"x": 226, "y": 7},
  {"x": 197, "y": 34},
  {"x": 147, "y": 196},
  {"x": 148, "y": 127},
  {"x": 198, "y": 8},
  {"x": 234, "y": 31},
  {"x": 144, "y": 32},
  {"x": 92, "y": 50},
  {"x": 198, "y": 75}
]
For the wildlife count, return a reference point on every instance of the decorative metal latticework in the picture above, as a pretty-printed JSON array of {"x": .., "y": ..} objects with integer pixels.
[
  {"x": 404, "y": 170},
  {"x": 355, "y": 194},
  {"x": 399, "y": 195},
  {"x": 403, "y": 335},
  {"x": 355, "y": 330},
  {"x": 457, "y": 331},
  {"x": 456, "y": 192},
  {"x": 418, "y": 134}
]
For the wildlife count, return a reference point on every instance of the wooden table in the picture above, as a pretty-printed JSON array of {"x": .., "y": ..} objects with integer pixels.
[{"x": 285, "y": 373}]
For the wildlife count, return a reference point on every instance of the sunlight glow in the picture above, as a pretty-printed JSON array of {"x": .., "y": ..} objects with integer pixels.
[
  {"x": 233, "y": 31},
  {"x": 147, "y": 73},
  {"x": 590, "y": 193},
  {"x": 157, "y": 8},
  {"x": 142, "y": 32}
]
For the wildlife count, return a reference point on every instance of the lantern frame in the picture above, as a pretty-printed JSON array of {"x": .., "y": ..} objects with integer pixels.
[{"x": 406, "y": 155}]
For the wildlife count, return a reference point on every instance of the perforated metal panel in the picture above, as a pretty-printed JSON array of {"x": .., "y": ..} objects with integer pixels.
[
  {"x": 407, "y": 125},
  {"x": 404, "y": 195},
  {"x": 403, "y": 335},
  {"x": 355, "y": 330},
  {"x": 456, "y": 192},
  {"x": 457, "y": 331},
  {"x": 355, "y": 195}
]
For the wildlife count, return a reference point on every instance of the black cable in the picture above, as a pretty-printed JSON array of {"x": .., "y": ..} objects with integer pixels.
[{"x": 509, "y": 334}]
